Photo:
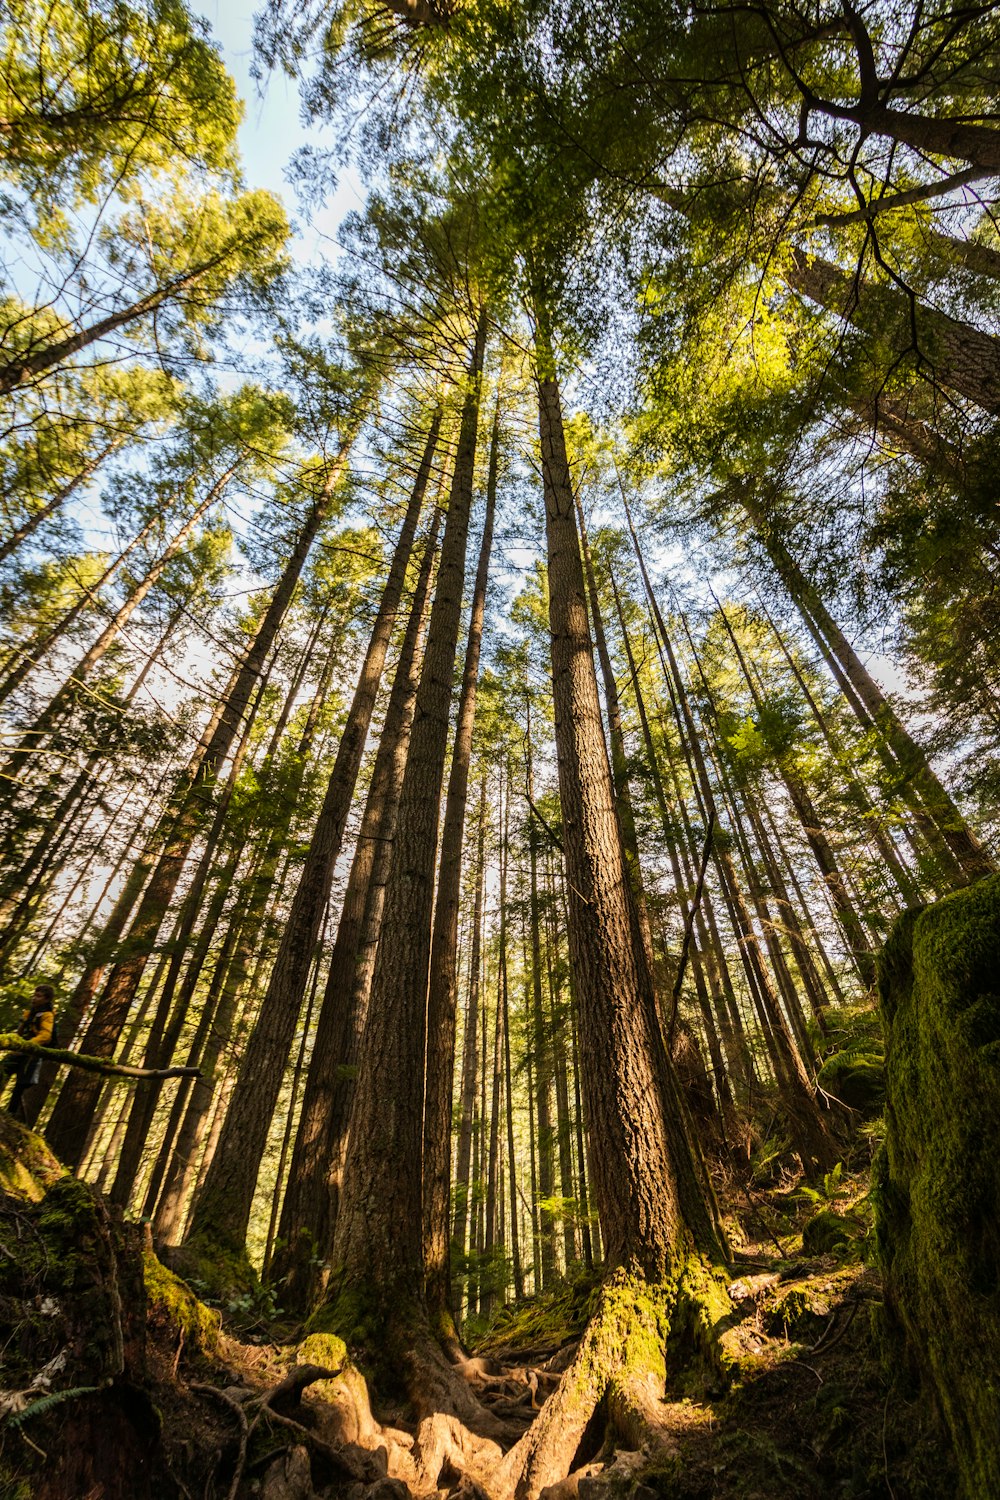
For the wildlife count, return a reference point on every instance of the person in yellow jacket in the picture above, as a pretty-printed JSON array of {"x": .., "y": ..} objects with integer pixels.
[{"x": 37, "y": 1025}]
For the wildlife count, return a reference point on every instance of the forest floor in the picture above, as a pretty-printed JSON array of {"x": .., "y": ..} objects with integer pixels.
[{"x": 107, "y": 1393}]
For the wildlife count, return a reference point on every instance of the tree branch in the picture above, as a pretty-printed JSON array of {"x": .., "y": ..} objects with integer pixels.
[
  {"x": 899, "y": 200},
  {"x": 11, "y": 1042}
]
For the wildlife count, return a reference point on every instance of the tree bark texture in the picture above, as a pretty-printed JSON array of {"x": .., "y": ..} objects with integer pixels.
[{"x": 224, "y": 1202}]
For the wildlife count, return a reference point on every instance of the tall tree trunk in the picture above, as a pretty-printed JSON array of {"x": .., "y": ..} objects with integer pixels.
[
  {"x": 57, "y": 500},
  {"x": 955, "y": 354},
  {"x": 654, "y": 1209},
  {"x": 812, "y": 1140},
  {"x": 540, "y": 1050},
  {"x": 33, "y": 652},
  {"x": 857, "y": 939},
  {"x": 309, "y": 1210},
  {"x": 560, "y": 1072},
  {"x": 378, "y": 1236},
  {"x": 470, "y": 1049},
  {"x": 222, "y": 1209},
  {"x": 649, "y": 1189},
  {"x": 176, "y": 832},
  {"x": 442, "y": 994},
  {"x": 504, "y": 991},
  {"x": 377, "y": 1244},
  {"x": 30, "y": 738},
  {"x": 494, "y": 1191},
  {"x": 684, "y": 882},
  {"x": 971, "y": 858}
]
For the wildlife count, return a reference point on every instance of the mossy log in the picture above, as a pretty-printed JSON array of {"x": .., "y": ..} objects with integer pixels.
[{"x": 938, "y": 1178}]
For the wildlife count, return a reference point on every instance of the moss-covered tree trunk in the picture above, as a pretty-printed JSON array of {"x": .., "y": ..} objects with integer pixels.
[{"x": 938, "y": 1177}]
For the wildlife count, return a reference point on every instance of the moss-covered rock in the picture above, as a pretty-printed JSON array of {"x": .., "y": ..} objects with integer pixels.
[
  {"x": 215, "y": 1268},
  {"x": 937, "y": 1188},
  {"x": 857, "y": 1079}
]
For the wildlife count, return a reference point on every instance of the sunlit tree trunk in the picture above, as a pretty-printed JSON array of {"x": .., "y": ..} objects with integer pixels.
[
  {"x": 309, "y": 1209},
  {"x": 176, "y": 832},
  {"x": 225, "y": 1198},
  {"x": 442, "y": 995}
]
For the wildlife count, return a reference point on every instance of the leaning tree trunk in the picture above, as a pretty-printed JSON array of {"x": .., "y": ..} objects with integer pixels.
[
  {"x": 177, "y": 831},
  {"x": 935, "y": 135},
  {"x": 57, "y": 500},
  {"x": 309, "y": 1208},
  {"x": 812, "y": 1141},
  {"x": 973, "y": 861},
  {"x": 33, "y": 652},
  {"x": 264, "y": 880},
  {"x": 858, "y": 942},
  {"x": 31, "y": 737},
  {"x": 955, "y": 355},
  {"x": 224, "y": 1203}
]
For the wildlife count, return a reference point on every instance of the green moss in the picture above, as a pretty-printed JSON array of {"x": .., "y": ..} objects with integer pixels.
[
  {"x": 218, "y": 1269},
  {"x": 354, "y": 1314},
  {"x": 27, "y": 1167},
  {"x": 171, "y": 1300},
  {"x": 701, "y": 1323},
  {"x": 937, "y": 1189},
  {"x": 798, "y": 1312},
  {"x": 546, "y": 1321},
  {"x": 67, "y": 1289},
  {"x": 357, "y": 1316},
  {"x": 322, "y": 1349},
  {"x": 857, "y": 1079}
]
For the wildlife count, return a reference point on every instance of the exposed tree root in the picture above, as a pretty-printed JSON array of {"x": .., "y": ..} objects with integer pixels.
[
  {"x": 620, "y": 1365},
  {"x": 436, "y": 1386},
  {"x": 621, "y": 1360}
]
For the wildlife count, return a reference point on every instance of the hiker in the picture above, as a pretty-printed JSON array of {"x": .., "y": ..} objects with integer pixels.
[{"x": 38, "y": 1024}]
